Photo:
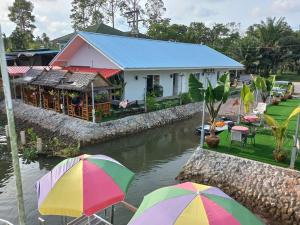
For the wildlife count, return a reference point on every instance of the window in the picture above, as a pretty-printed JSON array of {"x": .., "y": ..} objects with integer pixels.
[{"x": 218, "y": 75}]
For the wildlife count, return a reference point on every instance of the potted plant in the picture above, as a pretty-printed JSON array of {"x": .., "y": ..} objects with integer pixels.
[
  {"x": 279, "y": 131},
  {"x": 215, "y": 97}
]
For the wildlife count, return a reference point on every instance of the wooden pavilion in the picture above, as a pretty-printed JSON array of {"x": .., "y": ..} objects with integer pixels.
[
  {"x": 78, "y": 94},
  {"x": 86, "y": 95}
]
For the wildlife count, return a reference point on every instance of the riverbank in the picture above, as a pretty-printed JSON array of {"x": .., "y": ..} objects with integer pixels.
[
  {"x": 270, "y": 191},
  {"x": 86, "y": 132}
]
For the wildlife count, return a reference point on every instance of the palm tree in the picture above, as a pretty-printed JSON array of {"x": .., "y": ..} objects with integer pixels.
[{"x": 269, "y": 33}]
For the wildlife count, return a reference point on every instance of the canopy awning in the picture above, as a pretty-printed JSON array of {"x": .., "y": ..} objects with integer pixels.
[
  {"x": 16, "y": 71},
  {"x": 106, "y": 73}
]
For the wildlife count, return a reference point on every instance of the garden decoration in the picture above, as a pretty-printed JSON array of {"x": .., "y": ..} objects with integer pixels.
[
  {"x": 215, "y": 97},
  {"x": 83, "y": 185},
  {"x": 279, "y": 131},
  {"x": 191, "y": 203}
]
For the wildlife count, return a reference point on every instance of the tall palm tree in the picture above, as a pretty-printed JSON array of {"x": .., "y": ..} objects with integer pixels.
[{"x": 269, "y": 33}]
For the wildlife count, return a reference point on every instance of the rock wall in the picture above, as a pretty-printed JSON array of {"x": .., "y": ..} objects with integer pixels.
[
  {"x": 88, "y": 132},
  {"x": 270, "y": 191}
]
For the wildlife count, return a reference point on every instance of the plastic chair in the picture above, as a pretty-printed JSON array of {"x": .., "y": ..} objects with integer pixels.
[{"x": 252, "y": 135}]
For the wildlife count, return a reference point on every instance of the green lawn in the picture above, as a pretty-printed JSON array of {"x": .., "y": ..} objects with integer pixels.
[
  {"x": 293, "y": 77},
  {"x": 263, "y": 149}
]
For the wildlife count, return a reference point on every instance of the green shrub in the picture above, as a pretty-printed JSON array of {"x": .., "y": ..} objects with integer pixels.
[
  {"x": 32, "y": 135},
  {"x": 30, "y": 153},
  {"x": 185, "y": 98},
  {"x": 69, "y": 151},
  {"x": 150, "y": 101}
]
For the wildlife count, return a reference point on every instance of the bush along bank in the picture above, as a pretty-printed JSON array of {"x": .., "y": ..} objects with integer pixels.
[{"x": 270, "y": 191}]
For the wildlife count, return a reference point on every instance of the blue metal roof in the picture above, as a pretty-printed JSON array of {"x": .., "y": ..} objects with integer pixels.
[{"x": 137, "y": 53}]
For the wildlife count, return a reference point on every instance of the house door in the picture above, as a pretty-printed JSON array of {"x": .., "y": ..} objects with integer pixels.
[
  {"x": 175, "y": 84},
  {"x": 149, "y": 83}
]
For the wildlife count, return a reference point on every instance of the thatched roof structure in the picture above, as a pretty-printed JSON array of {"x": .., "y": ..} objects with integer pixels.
[
  {"x": 50, "y": 78},
  {"x": 62, "y": 79},
  {"x": 80, "y": 81},
  {"x": 29, "y": 76}
]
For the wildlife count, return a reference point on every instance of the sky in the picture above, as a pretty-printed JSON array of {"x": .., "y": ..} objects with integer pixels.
[{"x": 52, "y": 16}]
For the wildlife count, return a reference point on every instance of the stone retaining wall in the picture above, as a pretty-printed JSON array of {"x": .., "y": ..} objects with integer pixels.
[
  {"x": 270, "y": 191},
  {"x": 88, "y": 132}
]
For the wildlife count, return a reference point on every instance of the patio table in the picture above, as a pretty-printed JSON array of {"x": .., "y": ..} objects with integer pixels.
[
  {"x": 251, "y": 119},
  {"x": 244, "y": 130}
]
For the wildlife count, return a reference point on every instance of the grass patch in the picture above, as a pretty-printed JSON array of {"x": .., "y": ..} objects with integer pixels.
[
  {"x": 263, "y": 149},
  {"x": 293, "y": 77}
]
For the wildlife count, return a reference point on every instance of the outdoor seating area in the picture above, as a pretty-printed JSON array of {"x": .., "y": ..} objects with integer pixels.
[
  {"x": 78, "y": 94},
  {"x": 256, "y": 142}
]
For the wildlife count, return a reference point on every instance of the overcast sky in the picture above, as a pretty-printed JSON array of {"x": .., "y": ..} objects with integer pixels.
[{"x": 52, "y": 16}]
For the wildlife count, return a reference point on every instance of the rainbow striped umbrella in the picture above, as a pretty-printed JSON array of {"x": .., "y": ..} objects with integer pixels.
[
  {"x": 194, "y": 204},
  {"x": 83, "y": 185}
]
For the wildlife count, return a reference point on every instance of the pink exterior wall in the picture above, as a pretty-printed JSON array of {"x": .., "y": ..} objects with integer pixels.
[{"x": 88, "y": 56}]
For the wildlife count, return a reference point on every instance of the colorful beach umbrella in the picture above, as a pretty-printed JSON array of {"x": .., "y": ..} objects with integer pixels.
[
  {"x": 191, "y": 204},
  {"x": 83, "y": 185}
]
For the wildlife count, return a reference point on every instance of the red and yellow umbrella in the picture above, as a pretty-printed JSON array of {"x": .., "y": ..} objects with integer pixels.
[{"x": 83, "y": 185}]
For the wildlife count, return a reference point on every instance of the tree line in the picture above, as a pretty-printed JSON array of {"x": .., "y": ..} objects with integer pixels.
[
  {"x": 266, "y": 48},
  {"x": 269, "y": 47}
]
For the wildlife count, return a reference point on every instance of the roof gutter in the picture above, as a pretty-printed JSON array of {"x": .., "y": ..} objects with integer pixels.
[{"x": 184, "y": 68}]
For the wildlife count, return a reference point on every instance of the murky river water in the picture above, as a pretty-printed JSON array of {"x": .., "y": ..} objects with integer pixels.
[{"x": 156, "y": 156}]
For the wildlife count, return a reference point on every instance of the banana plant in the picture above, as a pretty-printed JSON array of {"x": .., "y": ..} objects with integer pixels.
[
  {"x": 215, "y": 97},
  {"x": 247, "y": 97},
  {"x": 264, "y": 86},
  {"x": 279, "y": 130}
]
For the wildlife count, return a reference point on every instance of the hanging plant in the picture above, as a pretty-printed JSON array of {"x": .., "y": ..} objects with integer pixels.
[
  {"x": 52, "y": 92},
  {"x": 73, "y": 95}
]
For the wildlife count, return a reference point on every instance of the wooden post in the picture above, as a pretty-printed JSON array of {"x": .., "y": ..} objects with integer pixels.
[
  {"x": 63, "y": 102},
  {"x": 39, "y": 145},
  {"x": 93, "y": 103},
  {"x": 40, "y": 94},
  {"x": 23, "y": 138},
  {"x": 21, "y": 87},
  {"x": 12, "y": 132}
]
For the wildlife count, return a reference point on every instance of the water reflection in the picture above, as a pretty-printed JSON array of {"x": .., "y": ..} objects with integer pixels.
[{"x": 156, "y": 156}]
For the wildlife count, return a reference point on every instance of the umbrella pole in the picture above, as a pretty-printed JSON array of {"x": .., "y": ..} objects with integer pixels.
[{"x": 12, "y": 133}]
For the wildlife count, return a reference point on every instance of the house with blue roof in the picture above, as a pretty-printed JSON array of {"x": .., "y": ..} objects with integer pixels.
[{"x": 144, "y": 65}]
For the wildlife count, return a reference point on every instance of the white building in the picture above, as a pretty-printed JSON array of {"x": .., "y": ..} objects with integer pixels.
[{"x": 144, "y": 62}]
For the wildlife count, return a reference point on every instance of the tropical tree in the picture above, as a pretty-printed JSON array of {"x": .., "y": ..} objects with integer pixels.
[
  {"x": 279, "y": 131},
  {"x": 21, "y": 14},
  {"x": 214, "y": 97},
  {"x": 110, "y": 8},
  {"x": 85, "y": 13},
  {"x": 269, "y": 33},
  {"x": 264, "y": 86},
  {"x": 155, "y": 10},
  {"x": 247, "y": 97}
]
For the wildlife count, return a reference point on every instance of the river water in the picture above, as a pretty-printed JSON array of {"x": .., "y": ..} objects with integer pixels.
[{"x": 156, "y": 156}]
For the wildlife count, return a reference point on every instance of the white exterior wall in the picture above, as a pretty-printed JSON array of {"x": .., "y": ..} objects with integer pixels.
[
  {"x": 89, "y": 56},
  {"x": 135, "y": 89}
]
